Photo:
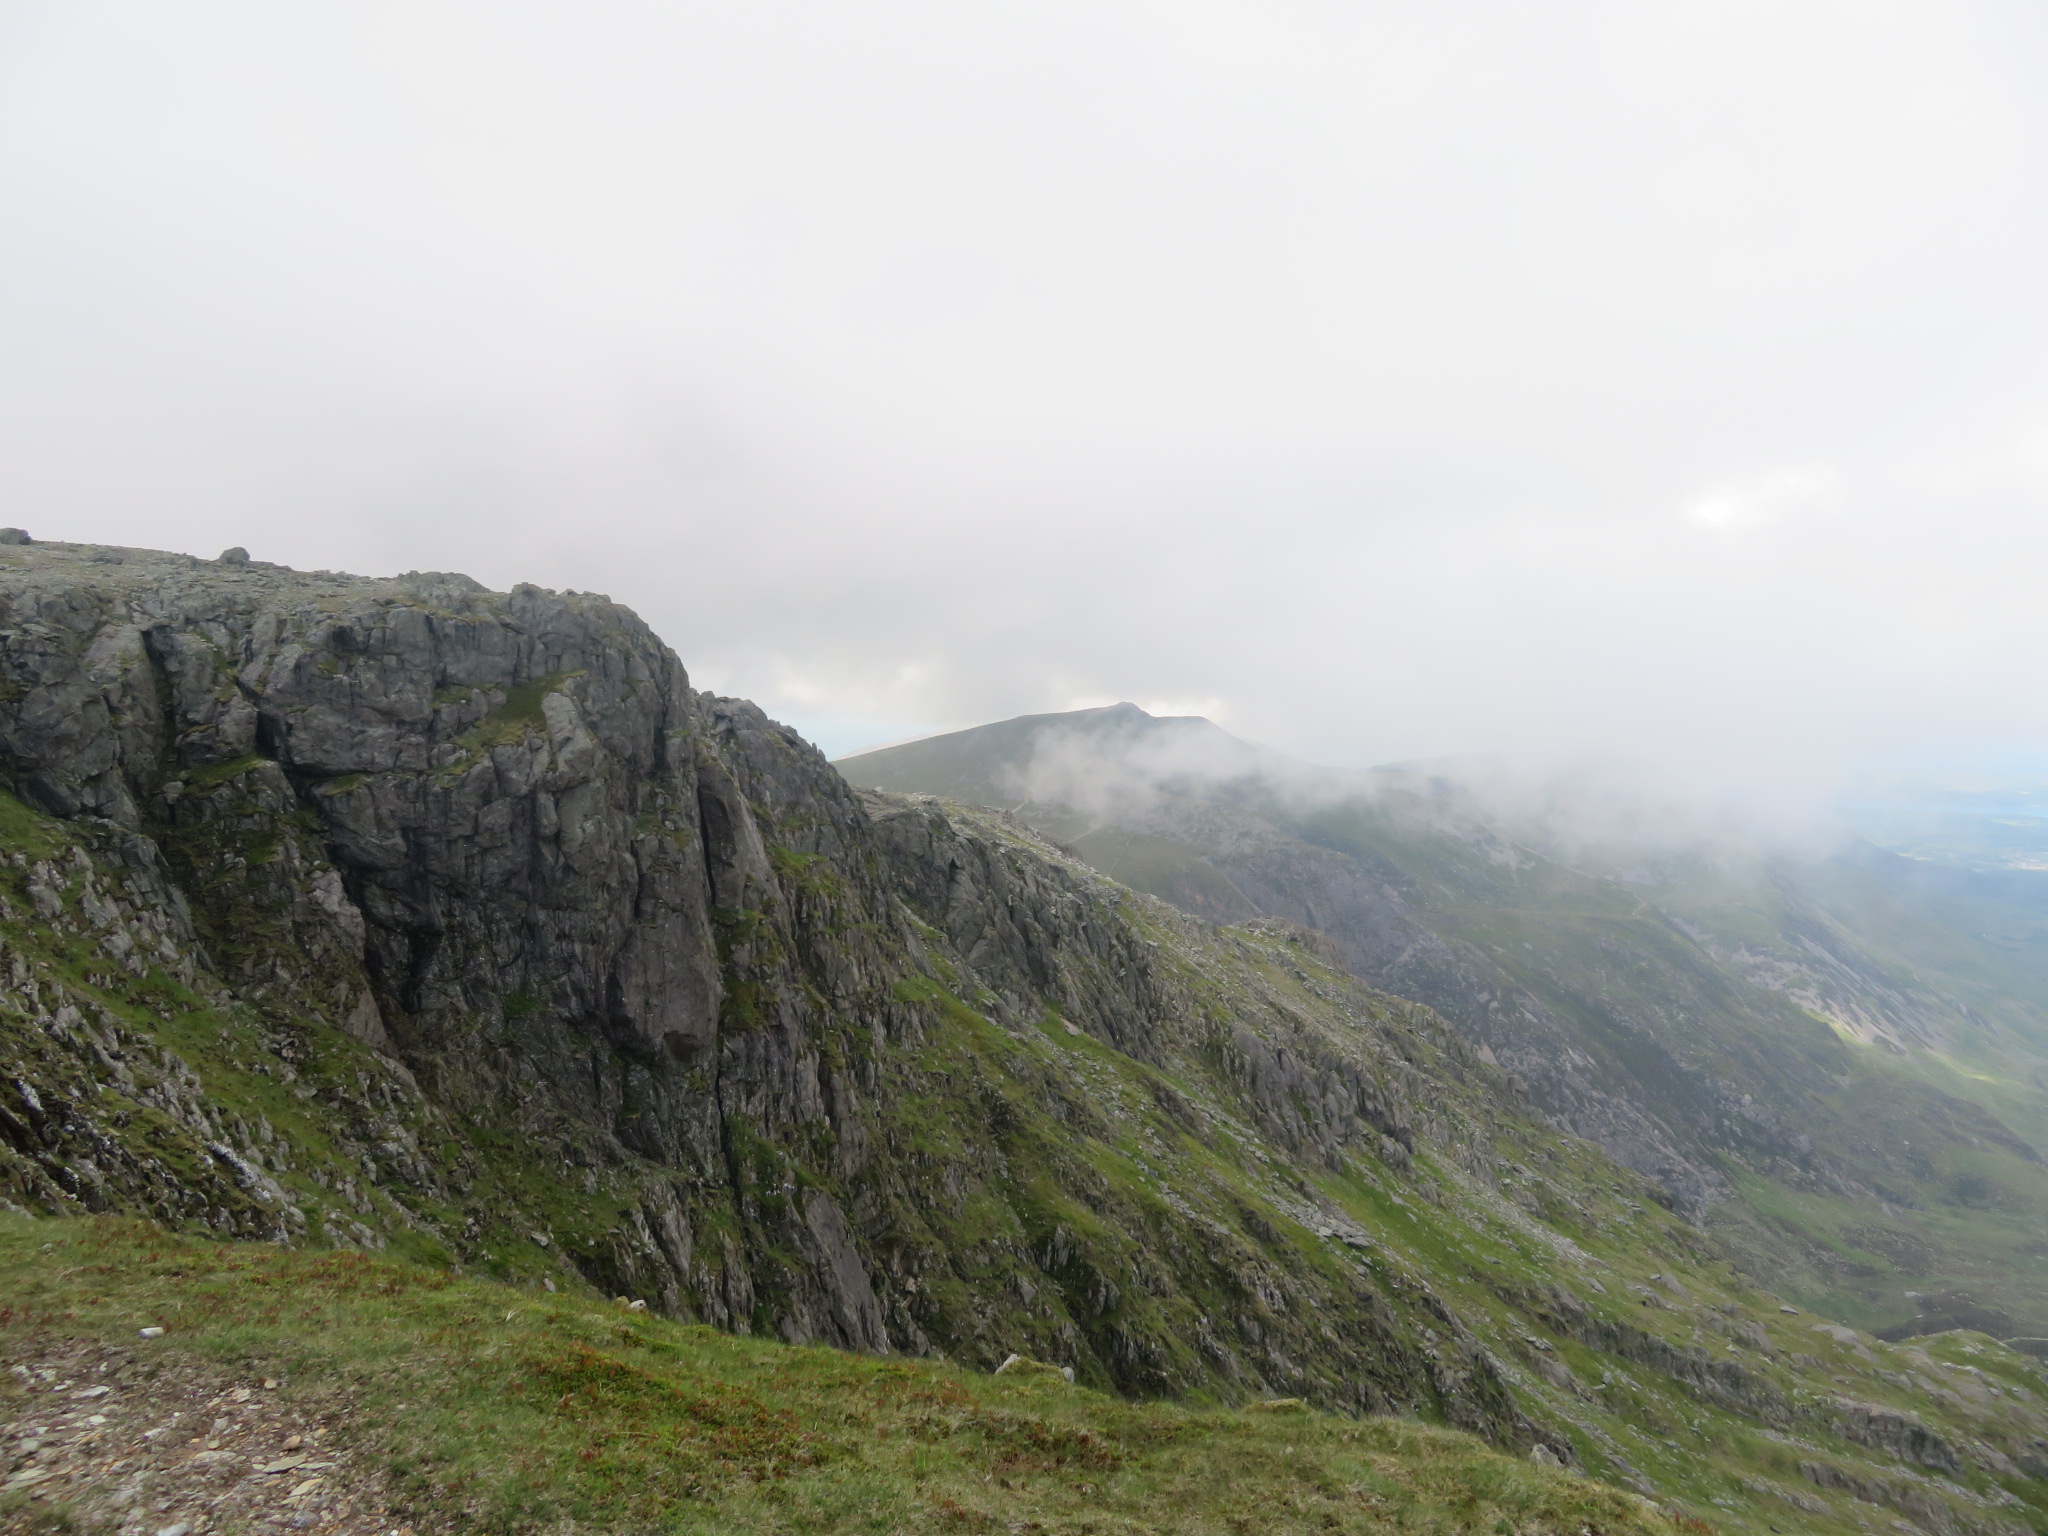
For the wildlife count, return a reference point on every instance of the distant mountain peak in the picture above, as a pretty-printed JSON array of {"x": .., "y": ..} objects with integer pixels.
[{"x": 1080, "y": 757}]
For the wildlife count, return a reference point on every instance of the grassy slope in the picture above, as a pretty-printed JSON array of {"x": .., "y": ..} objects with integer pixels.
[
  {"x": 1547, "y": 1252},
  {"x": 1956, "y": 953},
  {"x": 1954, "y": 1227},
  {"x": 1552, "y": 1216},
  {"x": 1975, "y": 941},
  {"x": 500, "y": 1410},
  {"x": 1959, "y": 1212}
]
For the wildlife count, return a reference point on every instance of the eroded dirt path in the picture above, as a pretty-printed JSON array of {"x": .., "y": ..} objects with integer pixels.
[{"x": 138, "y": 1443}]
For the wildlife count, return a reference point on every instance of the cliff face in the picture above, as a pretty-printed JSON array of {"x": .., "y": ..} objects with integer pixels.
[
  {"x": 401, "y": 913},
  {"x": 487, "y": 793}
]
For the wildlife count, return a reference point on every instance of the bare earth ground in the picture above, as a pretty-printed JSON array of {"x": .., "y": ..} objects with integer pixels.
[{"x": 113, "y": 1440}]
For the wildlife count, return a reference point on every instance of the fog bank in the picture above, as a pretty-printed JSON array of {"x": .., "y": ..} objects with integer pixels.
[{"x": 1413, "y": 381}]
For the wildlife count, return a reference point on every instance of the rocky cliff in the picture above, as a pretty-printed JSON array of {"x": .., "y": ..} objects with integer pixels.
[{"x": 605, "y": 943}]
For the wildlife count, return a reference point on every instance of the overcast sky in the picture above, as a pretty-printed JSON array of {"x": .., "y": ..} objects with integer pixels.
[{"x": 1382, "y": 380}]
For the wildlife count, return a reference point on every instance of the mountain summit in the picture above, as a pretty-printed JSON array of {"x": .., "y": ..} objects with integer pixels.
[{"x": 1076, "y": 756}]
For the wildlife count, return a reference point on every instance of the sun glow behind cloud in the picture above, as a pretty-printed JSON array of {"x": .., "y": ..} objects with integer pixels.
[{"x": 1759, "y": 503}]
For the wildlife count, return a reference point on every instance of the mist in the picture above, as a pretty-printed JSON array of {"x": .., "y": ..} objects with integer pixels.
[
  {"x": 1603, "y": 382},
  {"x": 1177, "y": 776}
]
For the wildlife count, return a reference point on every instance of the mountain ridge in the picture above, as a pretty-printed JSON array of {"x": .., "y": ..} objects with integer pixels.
[
  {"x": 1699, "y": 1026},
  {"x": 406, "y": 916}
]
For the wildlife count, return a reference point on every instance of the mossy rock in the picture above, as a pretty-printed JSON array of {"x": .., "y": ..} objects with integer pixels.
[{"x": 1023, "y": 1367}]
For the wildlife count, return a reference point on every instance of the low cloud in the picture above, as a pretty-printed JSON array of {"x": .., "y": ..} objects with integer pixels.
[
  {"x": 1118, "y": 763},
  {"x": 1759, "y": 503},
  {"x": 1393, "y": 383}
]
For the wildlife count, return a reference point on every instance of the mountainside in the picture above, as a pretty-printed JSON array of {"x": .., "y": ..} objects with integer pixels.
[
  {"x": 404, "y": 915},
  {"x": 1823, "y": 1058}
]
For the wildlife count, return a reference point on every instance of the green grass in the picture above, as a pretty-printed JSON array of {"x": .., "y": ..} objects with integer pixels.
[
  {"x": 28, "y": 834},
  {"x": 216, "y": 774},
  {"x": 521, "y": 712},
  {"x": 517, "y": 1411}
]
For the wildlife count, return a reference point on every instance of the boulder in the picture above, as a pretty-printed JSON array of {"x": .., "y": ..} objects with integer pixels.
[{"x": 1024, "y": 1365}]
